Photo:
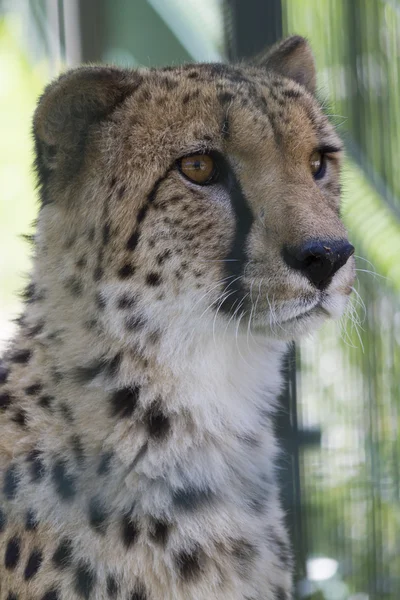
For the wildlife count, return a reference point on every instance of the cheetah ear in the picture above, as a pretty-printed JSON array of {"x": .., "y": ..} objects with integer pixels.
[
  {"x": 292, "y": 58},
  {"x": 68, "y": 108}
]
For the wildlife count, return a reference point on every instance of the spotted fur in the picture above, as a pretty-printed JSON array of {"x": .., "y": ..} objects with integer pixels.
[{"x": 136, "y": 401}]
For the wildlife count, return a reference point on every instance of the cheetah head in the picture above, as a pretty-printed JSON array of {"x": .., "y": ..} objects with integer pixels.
[{"x": 196, "y": 198}]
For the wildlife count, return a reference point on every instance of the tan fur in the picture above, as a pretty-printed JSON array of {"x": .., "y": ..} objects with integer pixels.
[{"x": 125, "y": 349}]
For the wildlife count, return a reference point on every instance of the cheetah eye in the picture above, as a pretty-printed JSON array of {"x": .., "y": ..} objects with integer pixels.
[
  {"x": 318, "y": 164},
  {"x": 198, "y": 168}
]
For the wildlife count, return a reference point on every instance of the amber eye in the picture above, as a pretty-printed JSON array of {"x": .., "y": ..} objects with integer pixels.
[
  {"x": 318, "y": 164},
  {"x": 199, "y": 168}
]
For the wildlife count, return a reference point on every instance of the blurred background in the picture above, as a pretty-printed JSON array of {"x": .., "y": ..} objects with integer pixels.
[{"x": 340, "y": 414}]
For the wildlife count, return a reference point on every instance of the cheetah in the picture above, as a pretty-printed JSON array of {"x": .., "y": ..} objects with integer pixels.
[{"x": 189, "y": 230}]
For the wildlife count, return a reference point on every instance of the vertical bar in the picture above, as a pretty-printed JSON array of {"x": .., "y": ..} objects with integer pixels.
[
  {"x": 53, "y": 36},
  {"x": 72, "y": 32},
  {"x": 92, "y": 26},
  {"x": 255, "y": 25},
  {"x": 251, "y": 27}
]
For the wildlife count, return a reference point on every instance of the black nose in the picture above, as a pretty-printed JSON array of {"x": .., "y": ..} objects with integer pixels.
[{"x": 318, "y": 260}]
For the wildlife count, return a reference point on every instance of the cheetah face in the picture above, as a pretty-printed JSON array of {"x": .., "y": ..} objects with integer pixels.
[{"x": 206, "y": 197}]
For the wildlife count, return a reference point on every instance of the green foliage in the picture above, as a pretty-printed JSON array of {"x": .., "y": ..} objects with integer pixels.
[
  {"x": 21, "y": 83},
  {"x": 349, "y": 376}
]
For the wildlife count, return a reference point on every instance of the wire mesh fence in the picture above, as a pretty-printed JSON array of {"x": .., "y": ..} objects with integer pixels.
[{"x": 349, "y": 375}]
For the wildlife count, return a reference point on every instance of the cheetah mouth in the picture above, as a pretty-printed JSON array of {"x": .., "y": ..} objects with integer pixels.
[{"x": 317, "y": 310}]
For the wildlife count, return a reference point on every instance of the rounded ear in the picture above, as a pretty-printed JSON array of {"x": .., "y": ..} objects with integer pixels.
[
  {"x": 292, "y": 58},
  {"x": 68, "y": 108}
]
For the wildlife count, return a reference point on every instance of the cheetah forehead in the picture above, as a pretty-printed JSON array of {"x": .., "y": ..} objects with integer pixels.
[{"x": 139, "y": 121}]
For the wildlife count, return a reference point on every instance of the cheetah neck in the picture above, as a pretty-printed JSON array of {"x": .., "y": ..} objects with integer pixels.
[{"x": 164, "y": 417}]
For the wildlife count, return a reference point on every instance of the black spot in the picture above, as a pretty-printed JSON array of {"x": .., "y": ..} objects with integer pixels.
[
  {"x": 5, "y": 400},
  {"x": 129, "y": 531},
  {"x": 123, "y": 402},
  {"x": 35, "y": 329},
  {"x": 159, "y": 531},
  {"x": 34, "y": 389},
  {"x": 11, "y": 482},
  {"x": 4, "y": 373},
  {"x": 28, "y": 293},
  {"x": 12, "y": 596},
  {"x": 258, "y": 499},
  {"x": 112, "y": 366},
  {"x": 133, "y": 241},
  {"x": 91, "y": 234},
  {"x": 139, "y": 593},
  {"x": 105, "y": 463},
  {"x": 85, "y": 579},
  {"x": 145, "y": 96},
  {"x": 188, "y": 564},
  {"x": 70, "y": 242},
  {"x": 45, "y": 402},
  {"x": 192, "y": 498},
  {"x": 162, "y": 257},
  {"x": 170, "y": 84},
  {"x": 78, "y": 450},
  {"x": 62, "y": 557},
  {"x": 154, "y": 337},
  {"x": 74, "y": 285},
  {"x": 158, "y": 424},
  {"x": 193, "y": 75},
  {"x": 112, "y": 586},
  {"x": 106, "y": 233},
  {"x": 19, "y": 417},
  {"x": 97, "y": 516},
  {"x": 132, "y": 323},
  {"x": 13, "y": 551},
  {"x": 153, "y": 279},
  {"x": 21, "y": 357},
  {"x": 280, "y": 594},
  {"x": 126, "y": 301},
  {"x": 100, "y": 301},
  {"x": 121, "y": 192},
  {"x": 225, "y": 97},
  {"x": 291, "y": 93},
  {"x": 56, "y": 375},
  {"x": 82, "y": 262},
  {"x": 33, "y": 564},
  {"x": 64, "y": 482},
  {"x": 37, "y": 468},
  {"x": 98, "y": 273},
  {"x": 91, "y": 324},
  {"x": 142, "y": 213},
  {"x": 66, "y": 413},
  {"x": 3, "y": 521},
  {"x": 244, "y": 552},
  {"x": 280, "y": 548},
  {"x": 88, "y": 372},
  {"x": 31, "y": 522},
  {"x": 51, "y": 595},
  {"x": 126, "y": 271}
]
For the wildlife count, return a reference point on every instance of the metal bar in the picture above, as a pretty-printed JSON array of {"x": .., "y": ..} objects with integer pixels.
[
  {"x": 251, "y": 27},
  {"x": 72, "y": 32},
  {"x": 256, "y": 24}
]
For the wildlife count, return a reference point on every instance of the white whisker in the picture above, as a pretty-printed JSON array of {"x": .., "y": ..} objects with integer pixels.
[{"x": 373, "y": 273}]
